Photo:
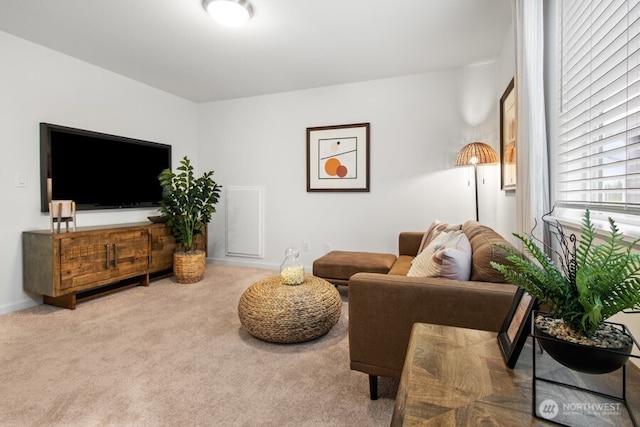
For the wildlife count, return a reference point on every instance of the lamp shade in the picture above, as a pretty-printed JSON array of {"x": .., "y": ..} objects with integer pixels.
[
  {"x": 231, "y": 13},
  {"x": 476, "y": 153}
]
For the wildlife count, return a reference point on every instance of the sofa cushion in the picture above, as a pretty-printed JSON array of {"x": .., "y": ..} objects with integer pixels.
[
  {"x": 344, "y": 264},
  {"x": 434, "y": 230},
  {"x": 448, "y": 255},
  {"x": 483, "y": 240},
  {"x": 401, "y": 266}
]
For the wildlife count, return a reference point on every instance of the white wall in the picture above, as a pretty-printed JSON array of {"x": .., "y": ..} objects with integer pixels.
[
  {"x": 418, "y": 124},
  {"x": 40, "y": 85},
  {"x": 506, "y": 200}
]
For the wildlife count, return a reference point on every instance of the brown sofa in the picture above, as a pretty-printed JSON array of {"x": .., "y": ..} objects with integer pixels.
[{"x": 384, "y": 307}]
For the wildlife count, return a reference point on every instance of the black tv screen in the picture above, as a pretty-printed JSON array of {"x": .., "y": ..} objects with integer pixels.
[{"x": 99, "y": 171}]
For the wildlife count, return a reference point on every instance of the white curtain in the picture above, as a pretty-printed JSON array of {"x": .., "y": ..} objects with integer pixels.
[{"x": 532, "y": 174}]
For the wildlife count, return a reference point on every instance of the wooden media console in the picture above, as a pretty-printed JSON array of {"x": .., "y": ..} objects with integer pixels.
[{"x": 70, "y": 267}]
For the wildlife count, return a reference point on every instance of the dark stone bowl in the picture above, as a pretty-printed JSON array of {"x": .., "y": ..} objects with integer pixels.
[{"x": 583, "y": 358}]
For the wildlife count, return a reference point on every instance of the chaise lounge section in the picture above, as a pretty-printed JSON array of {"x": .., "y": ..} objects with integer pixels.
[
  {"x": 384, "y": 307},
  {"x": 338, "y": 266}
]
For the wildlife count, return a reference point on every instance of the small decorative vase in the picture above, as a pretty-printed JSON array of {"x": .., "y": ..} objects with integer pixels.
[{"x": 291, "y": 270}]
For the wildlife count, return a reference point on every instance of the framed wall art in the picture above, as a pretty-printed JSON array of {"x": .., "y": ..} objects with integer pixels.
[
  {"x": 508, "y": 132},
  {"x": 338, "y": 158},
  {"x": 515, "y": 328}
]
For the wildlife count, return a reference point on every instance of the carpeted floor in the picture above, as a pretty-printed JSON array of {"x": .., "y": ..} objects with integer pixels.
[{"x": 177, "y": 355}]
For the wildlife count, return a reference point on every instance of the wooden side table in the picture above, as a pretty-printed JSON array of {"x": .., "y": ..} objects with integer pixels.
[{"x": 456, "y": 376}]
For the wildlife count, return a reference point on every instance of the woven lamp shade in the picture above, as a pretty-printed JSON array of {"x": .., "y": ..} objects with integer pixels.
[{"x": 479, "y": 151}]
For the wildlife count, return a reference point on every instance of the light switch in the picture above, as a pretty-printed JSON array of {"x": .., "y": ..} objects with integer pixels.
[{"x": 22, "y": 180}]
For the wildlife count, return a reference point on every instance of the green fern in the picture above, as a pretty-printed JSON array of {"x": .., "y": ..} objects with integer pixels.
[{"x": 593, "y": 283}]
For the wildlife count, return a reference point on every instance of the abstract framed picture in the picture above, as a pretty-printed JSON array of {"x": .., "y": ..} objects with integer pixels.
[
  {"x": 338, "y": 158},
  {"x": 514, "y": 331},
  {"x": 508, "y": 132}
]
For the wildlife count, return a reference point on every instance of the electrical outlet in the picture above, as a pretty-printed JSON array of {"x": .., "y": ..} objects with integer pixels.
[
  {"x": 305, "y": 246},
  {"x": 327, "y": 247}
]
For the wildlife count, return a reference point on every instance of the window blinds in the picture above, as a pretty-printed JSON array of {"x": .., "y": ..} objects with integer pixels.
[{"x": 598, "y": 152}]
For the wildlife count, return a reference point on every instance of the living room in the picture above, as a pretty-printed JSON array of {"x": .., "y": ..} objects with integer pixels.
[
  {"x": 419, "y": 121},
  {"x": 418, "y": 124}
]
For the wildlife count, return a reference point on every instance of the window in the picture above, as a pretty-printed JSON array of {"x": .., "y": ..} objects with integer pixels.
[{"x": 598, "y": 151}]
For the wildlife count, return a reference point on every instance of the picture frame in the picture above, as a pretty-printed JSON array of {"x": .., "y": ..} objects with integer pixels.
[
  {"x": 515, "y": 329},
  {"x": 508, "y": 133},
  {"x": 338, "y": 158}
]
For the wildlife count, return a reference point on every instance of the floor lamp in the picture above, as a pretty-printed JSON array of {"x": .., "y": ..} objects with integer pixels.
[{"x": 476, "y": 153}]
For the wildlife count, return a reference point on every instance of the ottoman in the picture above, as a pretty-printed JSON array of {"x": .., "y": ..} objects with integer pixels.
[
  {"x": 338, "y": 266},
  {"x": 274, "y": 312}
]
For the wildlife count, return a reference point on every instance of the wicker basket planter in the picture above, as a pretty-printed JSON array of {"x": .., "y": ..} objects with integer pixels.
[{"x": 189, "y": 267}]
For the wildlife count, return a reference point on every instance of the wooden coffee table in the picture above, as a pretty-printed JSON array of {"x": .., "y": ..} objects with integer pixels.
[{"x": 456, "y": 376}]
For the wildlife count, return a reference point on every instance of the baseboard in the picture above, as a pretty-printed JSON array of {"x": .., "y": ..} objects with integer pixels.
[
  {"x": 244, "y": 262},
  {"x": 247, "y": 262},
  {"x": 9, "y": 308}
]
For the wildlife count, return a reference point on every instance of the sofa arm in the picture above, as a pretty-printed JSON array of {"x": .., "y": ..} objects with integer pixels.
[
  {"x": 409, "y": 242},
  {"x": 383, "y": 309}
]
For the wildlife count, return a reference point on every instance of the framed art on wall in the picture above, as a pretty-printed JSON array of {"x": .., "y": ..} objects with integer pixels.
[
  {"x": 508, "y": 132},
  {"x": 515, "y": 328},
  {"x": 338, "y": 158}
]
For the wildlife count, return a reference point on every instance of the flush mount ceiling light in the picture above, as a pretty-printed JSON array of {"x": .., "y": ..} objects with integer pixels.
[{"x": 231, "y": 13}]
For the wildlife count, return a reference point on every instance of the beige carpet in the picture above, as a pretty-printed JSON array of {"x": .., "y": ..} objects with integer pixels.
[{"x": 177, "y": 355}]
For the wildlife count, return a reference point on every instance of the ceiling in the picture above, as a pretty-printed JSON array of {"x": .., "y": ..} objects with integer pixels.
[{"x": 175, "y": 46}]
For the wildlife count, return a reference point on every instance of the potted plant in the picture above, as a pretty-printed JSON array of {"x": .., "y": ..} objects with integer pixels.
[
  {"x": 188, "y": 203},
  {"x": 588, "y": 284}
]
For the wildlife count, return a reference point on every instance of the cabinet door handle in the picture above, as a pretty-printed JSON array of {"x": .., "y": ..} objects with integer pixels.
[
  {"x": 115, "y": 254},
  {"x": 106, "y": 248}
]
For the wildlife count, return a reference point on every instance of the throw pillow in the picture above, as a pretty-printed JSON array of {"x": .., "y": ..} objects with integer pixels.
[
  {"x": 448, "y": 255},
  {"x": 420, "y": 262},
  {"x": 483, "y": 240},
  {"x": 434, "y": 230}
]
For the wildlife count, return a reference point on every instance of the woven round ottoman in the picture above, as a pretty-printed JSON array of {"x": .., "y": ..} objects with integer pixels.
[{"x": 279, "y": 313}]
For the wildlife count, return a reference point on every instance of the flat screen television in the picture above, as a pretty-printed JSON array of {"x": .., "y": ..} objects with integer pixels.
[{"x": 99, "y": 171}]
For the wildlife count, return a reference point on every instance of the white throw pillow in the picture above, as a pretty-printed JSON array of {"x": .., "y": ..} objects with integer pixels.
[
  {"x": 448, "y": 255},
  {"x": 434, "y": 230}
]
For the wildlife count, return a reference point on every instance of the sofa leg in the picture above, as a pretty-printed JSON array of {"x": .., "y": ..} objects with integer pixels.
[{"x": 373, "y": 387}]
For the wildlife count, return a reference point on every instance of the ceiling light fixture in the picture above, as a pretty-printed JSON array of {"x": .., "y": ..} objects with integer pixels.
[{"x": 231, "y": 13}]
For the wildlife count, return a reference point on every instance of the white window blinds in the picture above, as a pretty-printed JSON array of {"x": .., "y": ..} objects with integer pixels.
[{"x": 598, "y": 153}]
